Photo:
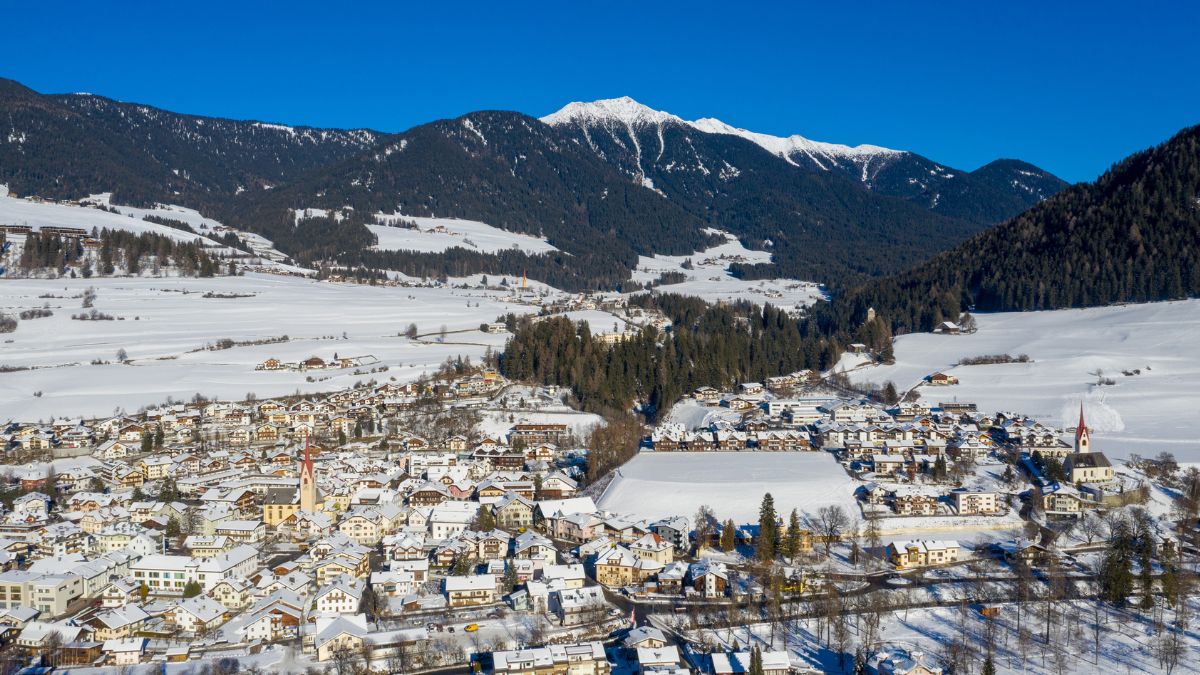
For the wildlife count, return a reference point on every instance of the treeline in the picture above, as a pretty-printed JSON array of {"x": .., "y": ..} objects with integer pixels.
[
  {"x": 1132, "y": 236},
  {"x": 118, "y": 249},
  {"x": 708, "y": 345},
  {"x": 585, "y": 271}
]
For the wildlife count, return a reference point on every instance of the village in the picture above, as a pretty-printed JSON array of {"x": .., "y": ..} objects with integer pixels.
[{"x": 446, "y": 522}]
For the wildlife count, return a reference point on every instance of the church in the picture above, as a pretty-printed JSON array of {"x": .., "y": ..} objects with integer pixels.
[
  {"x": 282, "y": 503},
  {"x": 1085, "y": 465}
]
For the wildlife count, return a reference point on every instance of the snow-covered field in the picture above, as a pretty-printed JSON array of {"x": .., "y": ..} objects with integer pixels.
[
  {"x": 710, "y": 279},
  {"x": 165, "y": 320},
  {"x": 656, "y": 485},
  {"x": 1144, "y": 413},
  {"x": 438, "y": 234}
]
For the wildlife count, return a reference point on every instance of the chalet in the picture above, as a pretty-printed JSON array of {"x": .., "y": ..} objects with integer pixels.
[
  {"x": 921, "y": 553},
  {"x": 513, "y": 512},
  {"x": 471, "y": 590},
  {"x": 539, "y": 433},
  {"x": 976, "y": 503},
  {"x": 914, "y": 503},
  {"x": 710, "y": 578},
  {"x": 941, "y": 380}
]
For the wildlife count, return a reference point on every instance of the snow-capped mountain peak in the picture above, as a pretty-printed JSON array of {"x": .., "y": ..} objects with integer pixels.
[
  {"x": 791, "y": 146},
  {"x": 624, "y": 110}
]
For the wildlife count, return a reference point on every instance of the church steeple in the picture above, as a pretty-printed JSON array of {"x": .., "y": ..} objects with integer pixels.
[
  {"x": 1083, "y": 441},
  {"x": 308, "y": 481}
]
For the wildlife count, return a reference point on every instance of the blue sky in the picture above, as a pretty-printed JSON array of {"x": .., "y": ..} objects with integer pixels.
[{"x": 1072, "y": 88}]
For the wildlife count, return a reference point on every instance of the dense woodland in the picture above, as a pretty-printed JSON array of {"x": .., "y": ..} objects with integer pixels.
[
  {"x": 120, "y": 250},
  {"x": 708, "y": 345}
]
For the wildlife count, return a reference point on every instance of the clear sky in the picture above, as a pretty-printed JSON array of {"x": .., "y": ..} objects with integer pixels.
[{"x": 1072, "y": 87}]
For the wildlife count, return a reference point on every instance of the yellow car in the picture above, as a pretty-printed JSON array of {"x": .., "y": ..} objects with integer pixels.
[{"x": 471, "y": 627}]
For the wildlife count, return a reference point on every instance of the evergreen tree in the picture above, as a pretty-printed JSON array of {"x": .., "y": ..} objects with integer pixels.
[
  {"x": 890, "y": 395},
  {"x": 192, "y": 588},
  {"x": 485, "y": 520},
  {"x": 509, "y": 582},
  {"x": 768, "y": 528},
  {"x": 728, "y": 536},
  {"x": 792, "y": 540},
  {"x": 756, "y": 662}
]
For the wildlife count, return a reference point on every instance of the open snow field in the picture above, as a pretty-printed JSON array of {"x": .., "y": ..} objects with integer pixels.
[
  {"x": 656, "y": 485},
  {"x": 710, "y": 279},
  {"x": 166, "y": 319},
  {"x": 1146, "y": 413},
  {"x": 435, "y": 235}
]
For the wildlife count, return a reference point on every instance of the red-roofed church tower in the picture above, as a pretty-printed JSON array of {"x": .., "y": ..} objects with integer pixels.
[
  {"x": 308, "y": 481},
  {"x": 1083, "y": 441}
]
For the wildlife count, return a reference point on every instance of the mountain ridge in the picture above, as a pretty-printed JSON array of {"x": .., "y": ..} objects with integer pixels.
[{"x": 637, "y": 182}]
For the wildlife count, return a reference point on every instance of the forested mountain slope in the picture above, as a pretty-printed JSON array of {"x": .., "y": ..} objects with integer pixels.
[{"x": 1133, "y": 235}]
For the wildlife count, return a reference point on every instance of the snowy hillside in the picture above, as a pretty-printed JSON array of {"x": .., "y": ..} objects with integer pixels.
[
  {"x": 435, "y": 235},
  {"x": 39, "y": 214},
  {"x": 709, "y": 277},
  {"x": 86, "y": 216},
  {"x": 1150, "y": 410}
]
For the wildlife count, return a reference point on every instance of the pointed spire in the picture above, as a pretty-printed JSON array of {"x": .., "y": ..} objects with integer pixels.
[
  {"x": 1081, "y": 427},
  {"x": 307, "y": 464}
]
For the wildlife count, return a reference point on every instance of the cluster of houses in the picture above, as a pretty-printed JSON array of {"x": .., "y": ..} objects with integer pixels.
[
  {"x": 318, "y": 363},
  {"x": 237, "y": 425}
]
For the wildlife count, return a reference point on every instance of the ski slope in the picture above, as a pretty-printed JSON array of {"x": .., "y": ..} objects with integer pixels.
[{"x": 1145, "y": 413}]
